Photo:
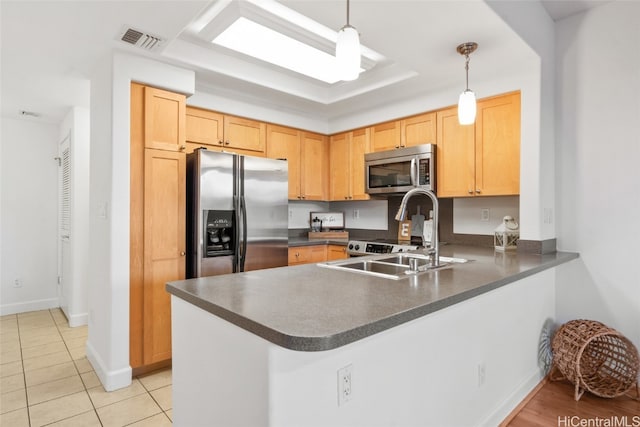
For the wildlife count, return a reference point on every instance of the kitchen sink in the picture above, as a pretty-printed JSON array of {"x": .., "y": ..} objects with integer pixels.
[{"x": 391, "y": 266}]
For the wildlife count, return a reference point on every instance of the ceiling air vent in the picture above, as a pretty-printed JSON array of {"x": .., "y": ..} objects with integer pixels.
[{"x": 141, "y": 39}]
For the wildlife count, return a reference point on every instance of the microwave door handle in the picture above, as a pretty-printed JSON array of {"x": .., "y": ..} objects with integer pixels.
[{"x": 414, "y": 173}]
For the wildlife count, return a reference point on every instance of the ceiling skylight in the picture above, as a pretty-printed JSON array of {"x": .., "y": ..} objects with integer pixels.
[{"x": 258, "y": 41}]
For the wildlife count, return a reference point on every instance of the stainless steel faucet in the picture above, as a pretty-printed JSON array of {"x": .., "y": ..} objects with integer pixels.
[{"x": 402, "y": 213}]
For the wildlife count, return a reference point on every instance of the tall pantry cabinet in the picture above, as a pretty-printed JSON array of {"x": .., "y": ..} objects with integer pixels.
[{"x": 157, "y": 222}]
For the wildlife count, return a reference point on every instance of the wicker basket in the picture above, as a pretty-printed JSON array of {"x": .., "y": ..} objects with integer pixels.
[{"x": 596, "y": 358}]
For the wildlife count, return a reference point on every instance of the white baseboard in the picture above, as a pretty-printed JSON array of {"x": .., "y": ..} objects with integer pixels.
[
  {"x": 24, "y": 307},
  {"x": 78, "y": 319},
  {"x": 111, "y": 380},
  {"x": 510, "y": 403}
]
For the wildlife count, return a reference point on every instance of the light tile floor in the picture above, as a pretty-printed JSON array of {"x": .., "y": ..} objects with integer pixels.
[{"x": 46, "y": 379}]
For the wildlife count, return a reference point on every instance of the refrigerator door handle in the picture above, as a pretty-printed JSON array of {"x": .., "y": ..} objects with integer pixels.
[
  {"x": 237, "y": 251},
  {"x": 243, "y": 243}
]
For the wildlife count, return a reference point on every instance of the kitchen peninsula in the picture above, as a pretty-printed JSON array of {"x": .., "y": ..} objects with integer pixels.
[{"x": 268, "y": 347}]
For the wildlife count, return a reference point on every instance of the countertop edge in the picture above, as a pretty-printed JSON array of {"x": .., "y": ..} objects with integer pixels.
[{"x": 330, "y": 342}]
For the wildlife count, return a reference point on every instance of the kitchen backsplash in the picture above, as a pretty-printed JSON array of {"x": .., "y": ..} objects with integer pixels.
[{"x": 464, "y": 221}]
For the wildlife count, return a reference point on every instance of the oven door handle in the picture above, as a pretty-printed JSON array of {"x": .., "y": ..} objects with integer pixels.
[{"x": 414, "y": 173}]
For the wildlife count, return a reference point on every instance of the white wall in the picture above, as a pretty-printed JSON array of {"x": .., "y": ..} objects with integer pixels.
[
  {"x": 421, "y": 373},
  {"x": 371, "y": 214},
  {"x": 29, "y": 217},
  {"x": 108, "y": 341},
  {"x": 467, "y": 213},
  {"x": 74, "y": 291},
  {"x": 598, "y": 152}
]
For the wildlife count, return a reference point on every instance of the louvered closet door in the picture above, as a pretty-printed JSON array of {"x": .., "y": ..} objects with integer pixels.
[{"x": 64, "y": 222}]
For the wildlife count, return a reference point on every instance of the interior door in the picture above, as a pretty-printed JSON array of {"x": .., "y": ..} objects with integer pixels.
[{"x": 64, "y": 222}]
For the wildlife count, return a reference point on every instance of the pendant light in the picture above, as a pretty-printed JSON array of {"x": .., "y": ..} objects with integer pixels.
[
  {"x": 348, "y": 51},
  {"x": 467, "y": 100}
]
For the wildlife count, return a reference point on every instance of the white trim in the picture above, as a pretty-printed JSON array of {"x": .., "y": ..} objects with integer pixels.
[
  {"x": 78, "y": 319},
  {"x": 24, "y": 307},
  {"x": 111, "y": 380},
  {"x": 509, "y": 404}
]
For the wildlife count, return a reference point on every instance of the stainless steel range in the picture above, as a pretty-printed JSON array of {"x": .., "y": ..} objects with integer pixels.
[{"x": 370, "y": 247}]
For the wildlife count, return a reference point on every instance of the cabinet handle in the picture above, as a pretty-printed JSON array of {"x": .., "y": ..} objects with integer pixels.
[
  {"x": 183, "y": 253},
  {"x": 302, "y": 197},
  {"x": 221, "y": 142},
  {"x": 183, "y": 147},
  {"x": 478, "y": 190},
  {"x": 226, "y": 142},
  {"x": 346, "y": 197},
  {"x": 470, "y": 191},
  {"x": 297, "y": 254},
  {"x": 397, "y": 146}
]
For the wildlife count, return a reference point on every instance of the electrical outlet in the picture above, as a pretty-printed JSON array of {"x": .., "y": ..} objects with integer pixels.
[
  {"x": 17, "y": 283},
  {"x": 290, "y": 213},
  {"x": 484, "y": 214},
  {"x": 345, "y": 384},
  {"x": 481, "y": 374},
  {"x": 548, "y": 215},
  {"x": 356, "y": 213}
]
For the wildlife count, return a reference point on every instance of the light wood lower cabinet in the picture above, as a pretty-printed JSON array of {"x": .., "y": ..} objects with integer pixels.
[
  {"x": 165, "y": 246},
  {"x": 307, "y": 254},
  {"x": 336, "y": 252},
  {"x": 316, "y": 253}
]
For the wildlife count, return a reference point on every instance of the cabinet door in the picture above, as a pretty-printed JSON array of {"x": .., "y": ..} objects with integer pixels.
[
  {"x": 203, "y": 128},
  {"x": 307, "y": 254},
  {"x": 164, "y": 246},
  {"x": 498, "y": 146},
  {"x": 245, "y": 134},
  {"x": 284, "y": 143},
  {"x": 455, "y": 160},
  {"x": 418, "y": 130},
  {"x": 340, "y": 173},
  {"x": 164, "y": 119},
  {"x": 336, "y": 252},
  {"x": 385, "y": 136},
  {"x": 359, "y": 146},
  {"x": 314, "y": 161}
]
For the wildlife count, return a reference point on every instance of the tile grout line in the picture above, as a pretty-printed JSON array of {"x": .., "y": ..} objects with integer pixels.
[{"x": 84, "y": 386}]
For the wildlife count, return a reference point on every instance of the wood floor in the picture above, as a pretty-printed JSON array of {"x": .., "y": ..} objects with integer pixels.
[{"x": 553, "y": 405}]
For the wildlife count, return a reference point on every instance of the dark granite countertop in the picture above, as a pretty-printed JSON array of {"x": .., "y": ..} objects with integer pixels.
[
  {"x": 312, "y": 308},
  {"x": 304, "y": 241}
]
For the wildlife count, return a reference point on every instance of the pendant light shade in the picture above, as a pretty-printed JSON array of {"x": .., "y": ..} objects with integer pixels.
[
  {"x": 348, "y": 51},
  {"x": 467, "y": 100},
  {"x": 467, "y": 108}
]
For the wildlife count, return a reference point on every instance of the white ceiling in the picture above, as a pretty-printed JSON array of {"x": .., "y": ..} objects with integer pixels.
[{"x": 50, "y": 48}]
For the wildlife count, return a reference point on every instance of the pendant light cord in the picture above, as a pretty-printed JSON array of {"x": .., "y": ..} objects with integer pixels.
[
  {"x": 466, "y": 67},
  {"x": 347, "y": 12}
]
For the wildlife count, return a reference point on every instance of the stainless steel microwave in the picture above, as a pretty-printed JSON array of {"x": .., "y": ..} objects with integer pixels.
[{"x": 400, "y": 170}]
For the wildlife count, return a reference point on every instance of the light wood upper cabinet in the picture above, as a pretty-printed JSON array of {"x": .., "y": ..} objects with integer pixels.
[
  {"x": 418, "y": 130},
  {"x": 203, "y": 128},
  {"x": 164, "y": 119},
  {"x": 455, "y": 156},
  {"x": 284, "y": 143},
  {"x": 498, "y": 145},
  {"x": 245, "y": 134},
  {"x": 314, "y": 166},
  {"x": 219, "y": 132},
  {"x": 346, "y": 177},
  {"x": 385, "y": 136},
  {"x": 307, "y": 156},
  {"x": 481, "y": 159}
]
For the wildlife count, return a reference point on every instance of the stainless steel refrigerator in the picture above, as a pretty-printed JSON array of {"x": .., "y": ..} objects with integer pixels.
[{"x": 237, "y": 213}]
